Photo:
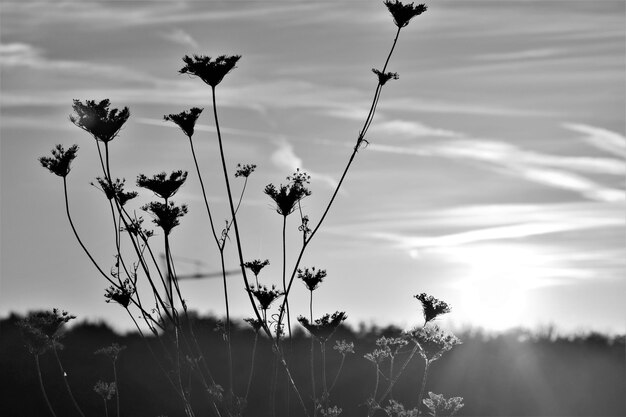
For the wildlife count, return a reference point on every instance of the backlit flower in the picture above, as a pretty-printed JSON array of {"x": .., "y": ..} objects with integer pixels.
[
  {"x": 97, "y": 119},
  {"x": 344, "y": 347},
  {"x": 186, "y": 120},
  {"x": 165, "y": 215},
  {"x": 161, "y": 185},
  {"x": 383, "y": 77},
  {"x": 440, "y": 406},
  {"x": 403, "y": 13},
  {"x": 287, "y": 196},
  {"x": 432, "y": 307},
  {"x": 59, "y": 162},
  {"x": 324, "y": 327},
  {"x": 115, "y": 189},
  {"x": 105, "y": 389},
  {"x": 265, "y": 296},
  {"x": 433, "y": 342},
  {"x": 312, "y": 278},
  {"x": 209, "y": 70}
]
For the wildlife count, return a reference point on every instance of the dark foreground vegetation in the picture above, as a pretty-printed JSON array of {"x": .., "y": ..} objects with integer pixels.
[{"x": 514, "y": 374}]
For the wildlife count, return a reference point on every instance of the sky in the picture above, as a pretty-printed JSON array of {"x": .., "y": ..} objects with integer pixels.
[{"x": 493, "y": 179}]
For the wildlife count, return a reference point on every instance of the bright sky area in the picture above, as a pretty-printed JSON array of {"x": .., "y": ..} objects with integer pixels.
[{"x": 494, "y": 178}]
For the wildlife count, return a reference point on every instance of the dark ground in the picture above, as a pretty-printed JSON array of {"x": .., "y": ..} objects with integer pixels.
[{"x": 515, "y": 374}]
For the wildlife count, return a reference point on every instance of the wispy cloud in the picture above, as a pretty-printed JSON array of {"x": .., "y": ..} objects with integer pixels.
[
  {"x": 411, "y": 129},
  {"x": 603, "y": 139},
  {"x": 520, "y": 55},
  {"x": 180, "y": 37},
  {"x": 285, "y": 158}
]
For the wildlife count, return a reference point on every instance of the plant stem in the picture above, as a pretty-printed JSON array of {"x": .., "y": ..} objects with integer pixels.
[
  {"x": 256, "y": 339},
  {"x": 117, "y": 390},
  {"x": 67, "y": 385},
  {"x": 421, "y": 394},
  {"x": 43, "y": 390}
]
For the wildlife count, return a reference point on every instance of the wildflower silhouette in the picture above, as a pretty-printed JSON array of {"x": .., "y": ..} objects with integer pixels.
[
  {"x": 440, "y": 406},
  {"x": 165, "y": 215},
  {"x": 256, "y": 266},
  {"x": 121, "y": 295},
  {"x": 186, "y": 120},
  {"x": 96, "y": 118},
  {"x": 403, "y": 13},
  {"x": 115, "y": 189},
  {"x": 244, "y": 170},
  {"x": 324, "y": 327},
  {"x": 432, "y": 307},
  {"x": 211, "y": 71},
  {"x": 59, "y": 162},
  {"x": 265, "y": 296},
  {"x": 161, "y": 185},
  {"x": 288, "y": 196},
  {"x": 383, "y": 77},
  {"x": 311, "y": 278}
]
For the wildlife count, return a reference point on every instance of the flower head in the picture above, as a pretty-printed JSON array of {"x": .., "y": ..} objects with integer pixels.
[
  {"x": 312, "y": 278},
  {"x": 186, "y": 120},
  {"x": 403, "y": 13},
  {"x": 432, "y": 307},
  {"x": 59, "y": 162},
  {"x": 244, "y": 170},
  {"x": 433, "y": 342},
  {"x": 391, "y": 344},
  {"x": 121, "y": 295},
  {"x": 161, "y": 185},
  {"x": 166, "y": 215},
  {"x": 377, "y": 356},
  {"x": 383, "y": 77},
  {"x": 209, "y": 70},
  {"x": 440, "y": 406},
  {"x": 113, "y": 351},
  {"x": 256, "y": 324},
  {"x": 324, "y": 327},
  {"x": 115, "y": 189},
  {"x": 105, "y": 389},
  {"x": 256, "y": 266},
  {"x": 287, "y": 196},
  {"x": 97, "y": 119},
  {"x": 395, "y": 409},
  {"x": 42, "y": 330},
  {"x": 344, "y": 347},
  {"x": 265, "y": 296}
]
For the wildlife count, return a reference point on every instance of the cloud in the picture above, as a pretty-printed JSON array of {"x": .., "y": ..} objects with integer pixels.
[
  {"x": 286, "y": 159},
  {"x": 520, "y": 55},
  {"x": 180, "y": 37},
  {"x": 603, "y": 139},
  {"x": 409, "y": 129}
]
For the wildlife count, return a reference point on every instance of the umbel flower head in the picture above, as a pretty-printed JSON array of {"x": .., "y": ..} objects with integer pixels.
[
  {"x": 383, "y": 77},
  {"x": 97, "y": 119},
  {"x": 440, "y": 406},
  {"x": 256, "y": 266},
  {"x": 112, "y": 352},
  {"x": 256, "y": 324},
  {"x": 105, "y": 389},
  {"x": 312, "y": 278},
  {"x": 59, "y": 162},
  {"x": 121, "y": 295},
  {"x": 403, "y": 13},
  {"x": 165, "y": 215},
  {"x": 287, "y": 196},
  {"x": 244, "y": 170},
  {"x": 396, "y": 409},
  {"x": 432, "y": 307},
  {"x": 265, "y": 296},
  {"x": 115, "y": 189},
  {"x": 344, "y": 347},
  {"x": 433, "y": 342},
  {"x": 209, "y": 70},
  {"x": 186, "y": 120},
  {"x": 42, "y": 330},
  {"x": 324, "y": 327},
  {"x": 161, "y": 185}
]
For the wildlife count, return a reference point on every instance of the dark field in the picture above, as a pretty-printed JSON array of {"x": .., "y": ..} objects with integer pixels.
[{"x": 516, "y": 374}]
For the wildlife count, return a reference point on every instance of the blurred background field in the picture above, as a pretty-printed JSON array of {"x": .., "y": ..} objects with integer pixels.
[{"x": 514, "y": 373}]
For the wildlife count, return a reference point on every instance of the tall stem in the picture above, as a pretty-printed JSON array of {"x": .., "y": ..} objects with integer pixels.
[
  {"x": 285, "y": 274},
  {"x": 421, "y": 394},
  {"x": 67, "y": 385},
  {"x": 117, "y": 390},
  {"x": 43, "y": 390}
]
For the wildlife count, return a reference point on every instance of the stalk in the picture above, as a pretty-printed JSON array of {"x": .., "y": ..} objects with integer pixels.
[
  {"x": 421, "y": 394},
  {"x": 43, "y": 390},
  {"x": 67, "y": 385}
]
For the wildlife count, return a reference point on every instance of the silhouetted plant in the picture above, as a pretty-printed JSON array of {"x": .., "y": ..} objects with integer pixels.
[{"x": 160, "y": 303}]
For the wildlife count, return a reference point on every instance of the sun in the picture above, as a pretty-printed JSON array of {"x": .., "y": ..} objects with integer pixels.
[{"x": 495, "y": 292}]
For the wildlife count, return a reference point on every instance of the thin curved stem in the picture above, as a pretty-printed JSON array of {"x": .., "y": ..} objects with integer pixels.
[
  {"x": 67, "y": 385},
  {"x": 421, "y": 393},
  {"x": 43, "y": 389}
]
